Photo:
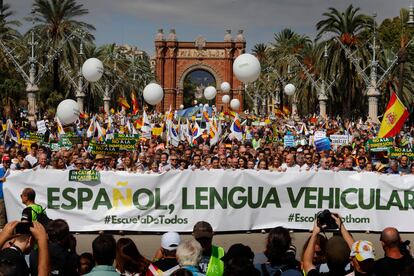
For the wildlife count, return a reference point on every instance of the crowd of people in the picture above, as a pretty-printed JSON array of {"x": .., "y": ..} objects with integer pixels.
[
  {"x": 52, "y": 250},
  {"x": 261, "y": 146}
]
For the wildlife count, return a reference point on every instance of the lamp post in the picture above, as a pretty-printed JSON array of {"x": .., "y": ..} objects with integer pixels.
[
  {"x": 35, "y": 74},
  {"x": 374, "y": 81},
  {"x": 320, "y": 84}
]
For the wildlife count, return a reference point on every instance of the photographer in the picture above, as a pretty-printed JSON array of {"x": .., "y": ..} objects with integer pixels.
[
  {"x": 396, "y": 258},
  {"x": 337, "y": 248},
  {"x": 21, "y": 243}
]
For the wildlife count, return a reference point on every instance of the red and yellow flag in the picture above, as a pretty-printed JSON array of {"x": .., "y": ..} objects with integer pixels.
[
  {"x": 287, "y": 110},
  {"x": 123, "y": 102},
  {"x": 134, "y": 102},
  {"x": 394, "y": 117}
]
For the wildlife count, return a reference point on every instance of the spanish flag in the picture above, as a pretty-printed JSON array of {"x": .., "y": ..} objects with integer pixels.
[
  {"x": 394, "y": 118},
  {"x": 134, "y": 102},
  {"x": 123, "y": 102}
]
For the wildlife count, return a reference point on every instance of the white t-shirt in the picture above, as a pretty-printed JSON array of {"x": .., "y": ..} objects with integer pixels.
[
  {"x": 294, "y": 168},
  {"x": 31, "y": 159}
]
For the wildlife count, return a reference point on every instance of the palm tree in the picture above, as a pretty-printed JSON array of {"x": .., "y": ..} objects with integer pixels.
[
  {"x": 8, "y": 35},
  {"x": 56, "y": 20},
  {"x": 260, "y": 50},
  {"x": 287, "y": 43},
  {"x": 7, "y": 27},
  {"x": 347, "y": 26}
]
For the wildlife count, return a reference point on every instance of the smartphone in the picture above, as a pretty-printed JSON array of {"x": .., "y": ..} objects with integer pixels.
[{"x": 23, "y": 228}]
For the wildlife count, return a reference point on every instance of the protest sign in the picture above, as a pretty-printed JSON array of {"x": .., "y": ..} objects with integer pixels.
[
  {"x": 397, "y": 153},
  {"x": 176, "y": 200},
  {"x": 84, "y": 175},
  {"x": 380, "y": 144},
  {"x": 41, "y": 126},
  {"x": 339, "y": 140},
  {"x": 322, "y": 144},
  {"x": 289, "y": 141}
]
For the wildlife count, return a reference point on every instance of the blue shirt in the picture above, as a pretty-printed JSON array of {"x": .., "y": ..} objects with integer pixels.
[
  {"x": 103, "y": 270},
  {"x": 2, "y": 173}
]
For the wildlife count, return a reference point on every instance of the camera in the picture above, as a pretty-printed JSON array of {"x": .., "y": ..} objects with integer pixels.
[{"x": 326, "y": 221}]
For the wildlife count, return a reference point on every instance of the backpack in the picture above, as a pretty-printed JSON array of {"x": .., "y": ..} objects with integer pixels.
[{"x": 42, "y": 217}]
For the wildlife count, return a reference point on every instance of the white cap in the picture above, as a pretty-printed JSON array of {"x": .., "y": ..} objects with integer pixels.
[
  {"x": 362, "y": 250},
  {"x": 170, "y": 240}
]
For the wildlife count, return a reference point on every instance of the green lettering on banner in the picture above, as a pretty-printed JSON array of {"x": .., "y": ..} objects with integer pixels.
[
  {"x": 221, "y": 200},
  {"x": 272, "y": 198},
  {"x": 136, "y": 199},
  {"x": 329, "y": 197},
  {"x": 200, "y": 197},
  {"x": 294, "y": 201},
  {"x": 84, "y": 175},
  {"x": 310, "y": 195},
  {"x": 184, "y": 199},
  {"x": 409, "y": 199},
  {"x": 371, "y": 199},
  {"x": 258, "y": 203},
  {"x": 345, "y": 202},
  {"x": 70, "y": 199},
  {"x": 242, "y": 199},
  {"x": 378, "y": 200},
  {"x": 395, "y": 200},
  {"x": 51, "y": 198},
  {"x": 102, "y": 199},
  {"x": 158, "y": 204},
  {"x": 84, "y": 195}
]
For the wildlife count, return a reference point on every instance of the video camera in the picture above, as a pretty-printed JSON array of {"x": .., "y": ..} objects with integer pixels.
[{"x": 325, "y": 221}]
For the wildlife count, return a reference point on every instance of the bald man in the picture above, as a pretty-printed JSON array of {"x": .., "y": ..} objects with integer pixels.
[
  {"x": 396, "y": 258},
  {"x": 290, "y": 164}
]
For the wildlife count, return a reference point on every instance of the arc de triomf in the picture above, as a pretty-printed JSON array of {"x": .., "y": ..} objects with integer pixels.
[{"x": 184, "y": 68}]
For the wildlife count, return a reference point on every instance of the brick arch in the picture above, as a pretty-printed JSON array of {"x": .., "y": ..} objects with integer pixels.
[
  {"x": 174, "y": 60},
  {"x": 199, "y": 66}
]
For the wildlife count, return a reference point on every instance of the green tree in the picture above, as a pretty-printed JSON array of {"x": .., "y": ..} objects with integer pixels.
[
  {"x": 56, "y": 20},
  {"x": 346, "y": 26}
]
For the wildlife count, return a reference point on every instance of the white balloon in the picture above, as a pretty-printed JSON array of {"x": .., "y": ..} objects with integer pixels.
[
  {"x": 68, "y": 112},
  {"x": 200, "y": 105},
  {"x": 235, "y": 104},
  {"x": 195, "y": 102},
  {"x": 92, "y": 69},
  {"x": 210, "y": 92},
  {"x": 225, "y": 99},
  {"x": 290, "y": 89},
  {"x": 206, "y": 106},
  {"x": 246, "y": 68},
  {"x": 153, "y": 93},
  {"x": 225, "y": 87},
  {"x": 181, "y": 106}
]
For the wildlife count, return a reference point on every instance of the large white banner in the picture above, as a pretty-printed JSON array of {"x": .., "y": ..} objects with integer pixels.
[{"x": 229, "y": 200}]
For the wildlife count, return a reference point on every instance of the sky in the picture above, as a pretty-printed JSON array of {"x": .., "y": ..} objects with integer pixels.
[{"x": 136, "y": 22}]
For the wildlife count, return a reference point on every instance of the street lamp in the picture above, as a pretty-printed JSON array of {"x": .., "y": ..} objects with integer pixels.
[
  {"x": 321, "y": 85},
  {"x": 32, "y": 79},
  {"x": 373, "y": 82}
]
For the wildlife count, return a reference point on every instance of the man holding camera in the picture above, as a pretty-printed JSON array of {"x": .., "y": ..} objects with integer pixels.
[
  {"x": 344, "y": 256},
  {"x": 397, "y": 255},
  {"x": 21, "y": 237}
]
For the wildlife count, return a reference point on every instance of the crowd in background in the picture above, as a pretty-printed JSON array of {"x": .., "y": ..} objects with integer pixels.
[{"x": 261, "y": 147}]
